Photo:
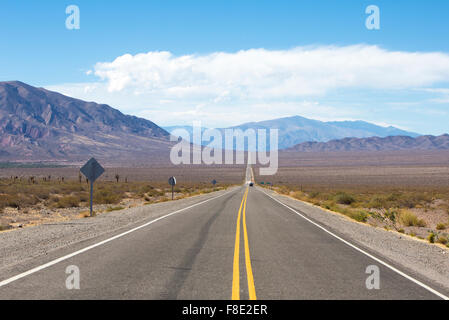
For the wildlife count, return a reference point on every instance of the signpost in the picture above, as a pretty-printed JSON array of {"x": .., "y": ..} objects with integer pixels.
[
  {"x": 172, "y": 182},
  {"x": 92, "y": 170},
  {"x": 214, "y": 182}
]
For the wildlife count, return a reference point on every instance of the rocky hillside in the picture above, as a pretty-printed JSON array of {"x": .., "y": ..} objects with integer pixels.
[
  {"x": 37, "y": 124},
  {"x": 394, "y": 143}
]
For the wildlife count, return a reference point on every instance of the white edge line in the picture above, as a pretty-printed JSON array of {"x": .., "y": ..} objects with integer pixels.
[
  {"x": 364, "y": 252},
  {"x": 53, "y": 262}
]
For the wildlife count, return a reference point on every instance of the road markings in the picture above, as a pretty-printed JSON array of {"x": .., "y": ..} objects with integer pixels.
[
  {"x": 236, "y": 266},
  {"x": 249, "y": 270},
  {"x": 53, "y": 262},
  {"x": 363, "y": 251}
]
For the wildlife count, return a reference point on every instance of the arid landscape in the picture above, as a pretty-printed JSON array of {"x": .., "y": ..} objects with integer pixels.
[
  {"x": 31, "y": 196},
  {"x": 407, "y": 192},
  {"x": 224, "y": 156},
  {"x": 403, "y": 191}
]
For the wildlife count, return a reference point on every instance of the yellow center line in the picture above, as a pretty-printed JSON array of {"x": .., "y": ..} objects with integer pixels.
[
  {"x": 249, "y": 270},
  {"x": 236, "y": 270}
]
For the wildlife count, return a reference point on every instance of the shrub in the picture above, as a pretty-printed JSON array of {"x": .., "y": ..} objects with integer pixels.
[
  {"x": 441, "y": 226},
  {"x": 67, "y": 202},
  {"x": 17, "y": 200},
  {"x": 359, "y": 215},
  {"x": 391, "y": 215},
  {"x": 298, "y": 195},
  {"x": 314, "y": 194},
  {"x": 377, "y": 203},
  {"x": 344, "y": 198},
  {"x": 9, "y": 201},
  {"x": 106, "y": 197},
  {"x": 431, "y": 237},
  {"x": 3, "y": 227},
  {"x": 409, "y": 219},
  {"x": 442, "y": 240},
  {"x": 146, "y": 189}
]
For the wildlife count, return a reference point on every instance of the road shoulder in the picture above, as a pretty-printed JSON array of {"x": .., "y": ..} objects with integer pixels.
[{"x": 428, "y": 261}]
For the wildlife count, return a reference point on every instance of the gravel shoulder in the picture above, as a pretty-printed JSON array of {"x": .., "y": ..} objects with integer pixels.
[
  {"x": 19, "y": 246},
  {"x": 430, "y": 262}
]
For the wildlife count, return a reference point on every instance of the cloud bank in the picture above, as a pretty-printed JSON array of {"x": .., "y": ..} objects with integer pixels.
[
  {"x": 322, "y": 82},
  {"x": 269, "y": 74}
]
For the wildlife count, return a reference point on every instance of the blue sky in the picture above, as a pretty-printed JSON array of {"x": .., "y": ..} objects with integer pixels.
[{"x": 410, "y": 89}]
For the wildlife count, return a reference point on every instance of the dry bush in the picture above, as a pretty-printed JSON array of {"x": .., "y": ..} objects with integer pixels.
[
  {"x": 441, "y": 226},
  {"x": 65, "y": 202},
  {"x": 344, "y": 198},
  {"x": 442, "y": 240},
  {"x": 409, "y": 219}
]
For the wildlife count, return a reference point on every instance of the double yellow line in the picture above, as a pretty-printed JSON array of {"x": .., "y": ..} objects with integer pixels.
[{"x": 236, "y": 269}]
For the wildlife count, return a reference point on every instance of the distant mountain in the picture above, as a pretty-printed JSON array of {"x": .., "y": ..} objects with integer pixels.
[
  {"x": 395, "y": 143},
  {"x": 189, "y": 129},
  {"x": 37, "y": 124},
  {"x": 295, "y": 130}
]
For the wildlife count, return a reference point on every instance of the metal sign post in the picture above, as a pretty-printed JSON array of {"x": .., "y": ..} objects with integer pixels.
[
  {"x": 214, "y": 182},
  {"x": 92, "y": 170},
  {"x": 172, "y": 182}
]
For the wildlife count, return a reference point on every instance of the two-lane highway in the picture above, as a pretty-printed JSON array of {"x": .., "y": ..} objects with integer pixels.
[{"x": 241, "y": 245}]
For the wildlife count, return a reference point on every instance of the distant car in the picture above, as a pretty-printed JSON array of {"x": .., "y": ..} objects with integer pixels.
[{"x": 251, "y": 184}]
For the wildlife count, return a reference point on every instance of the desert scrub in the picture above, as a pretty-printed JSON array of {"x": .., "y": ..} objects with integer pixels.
[
  {"x": 314, "y": 194},
  {"x": 441, "y": 226},
  {"x": 431, "y": 237},
  {"x": 359, "y": 215},
  {"x": 298, "y": 195},
  {"x": 4, "y": 227},
  {"x": 391, "y": 215},
  {"x": 409, "y": 219},
  {"x": 106, "y": 197},
  {"x": 344, "y": 198},
  {"x": 18, "y": 200},
  {"x": 442, "y": 240},
  {"x": 65, "y": 202}
]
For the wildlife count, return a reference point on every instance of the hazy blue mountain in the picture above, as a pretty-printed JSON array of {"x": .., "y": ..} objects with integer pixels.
[
  {"x": 295, "y": 130},
  {"x": 391, "y": 143},
  {"x": 189, "y": 129}
]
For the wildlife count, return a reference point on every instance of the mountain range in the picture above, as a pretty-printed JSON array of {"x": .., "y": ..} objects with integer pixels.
[
  {"x": 393, "y": 143},
  {"x": 37, "y": 124},
  {"x": 297, "y": 129},
  {"x": 41, "y": 125}
]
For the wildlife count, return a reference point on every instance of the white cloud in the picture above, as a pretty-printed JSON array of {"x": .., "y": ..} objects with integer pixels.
[
  {"x": 224, "y": 89},
  {"x": 263, "y": 73}
]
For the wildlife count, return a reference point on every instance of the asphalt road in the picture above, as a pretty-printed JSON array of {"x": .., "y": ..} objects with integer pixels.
[{"x": 242, "y": 245}]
